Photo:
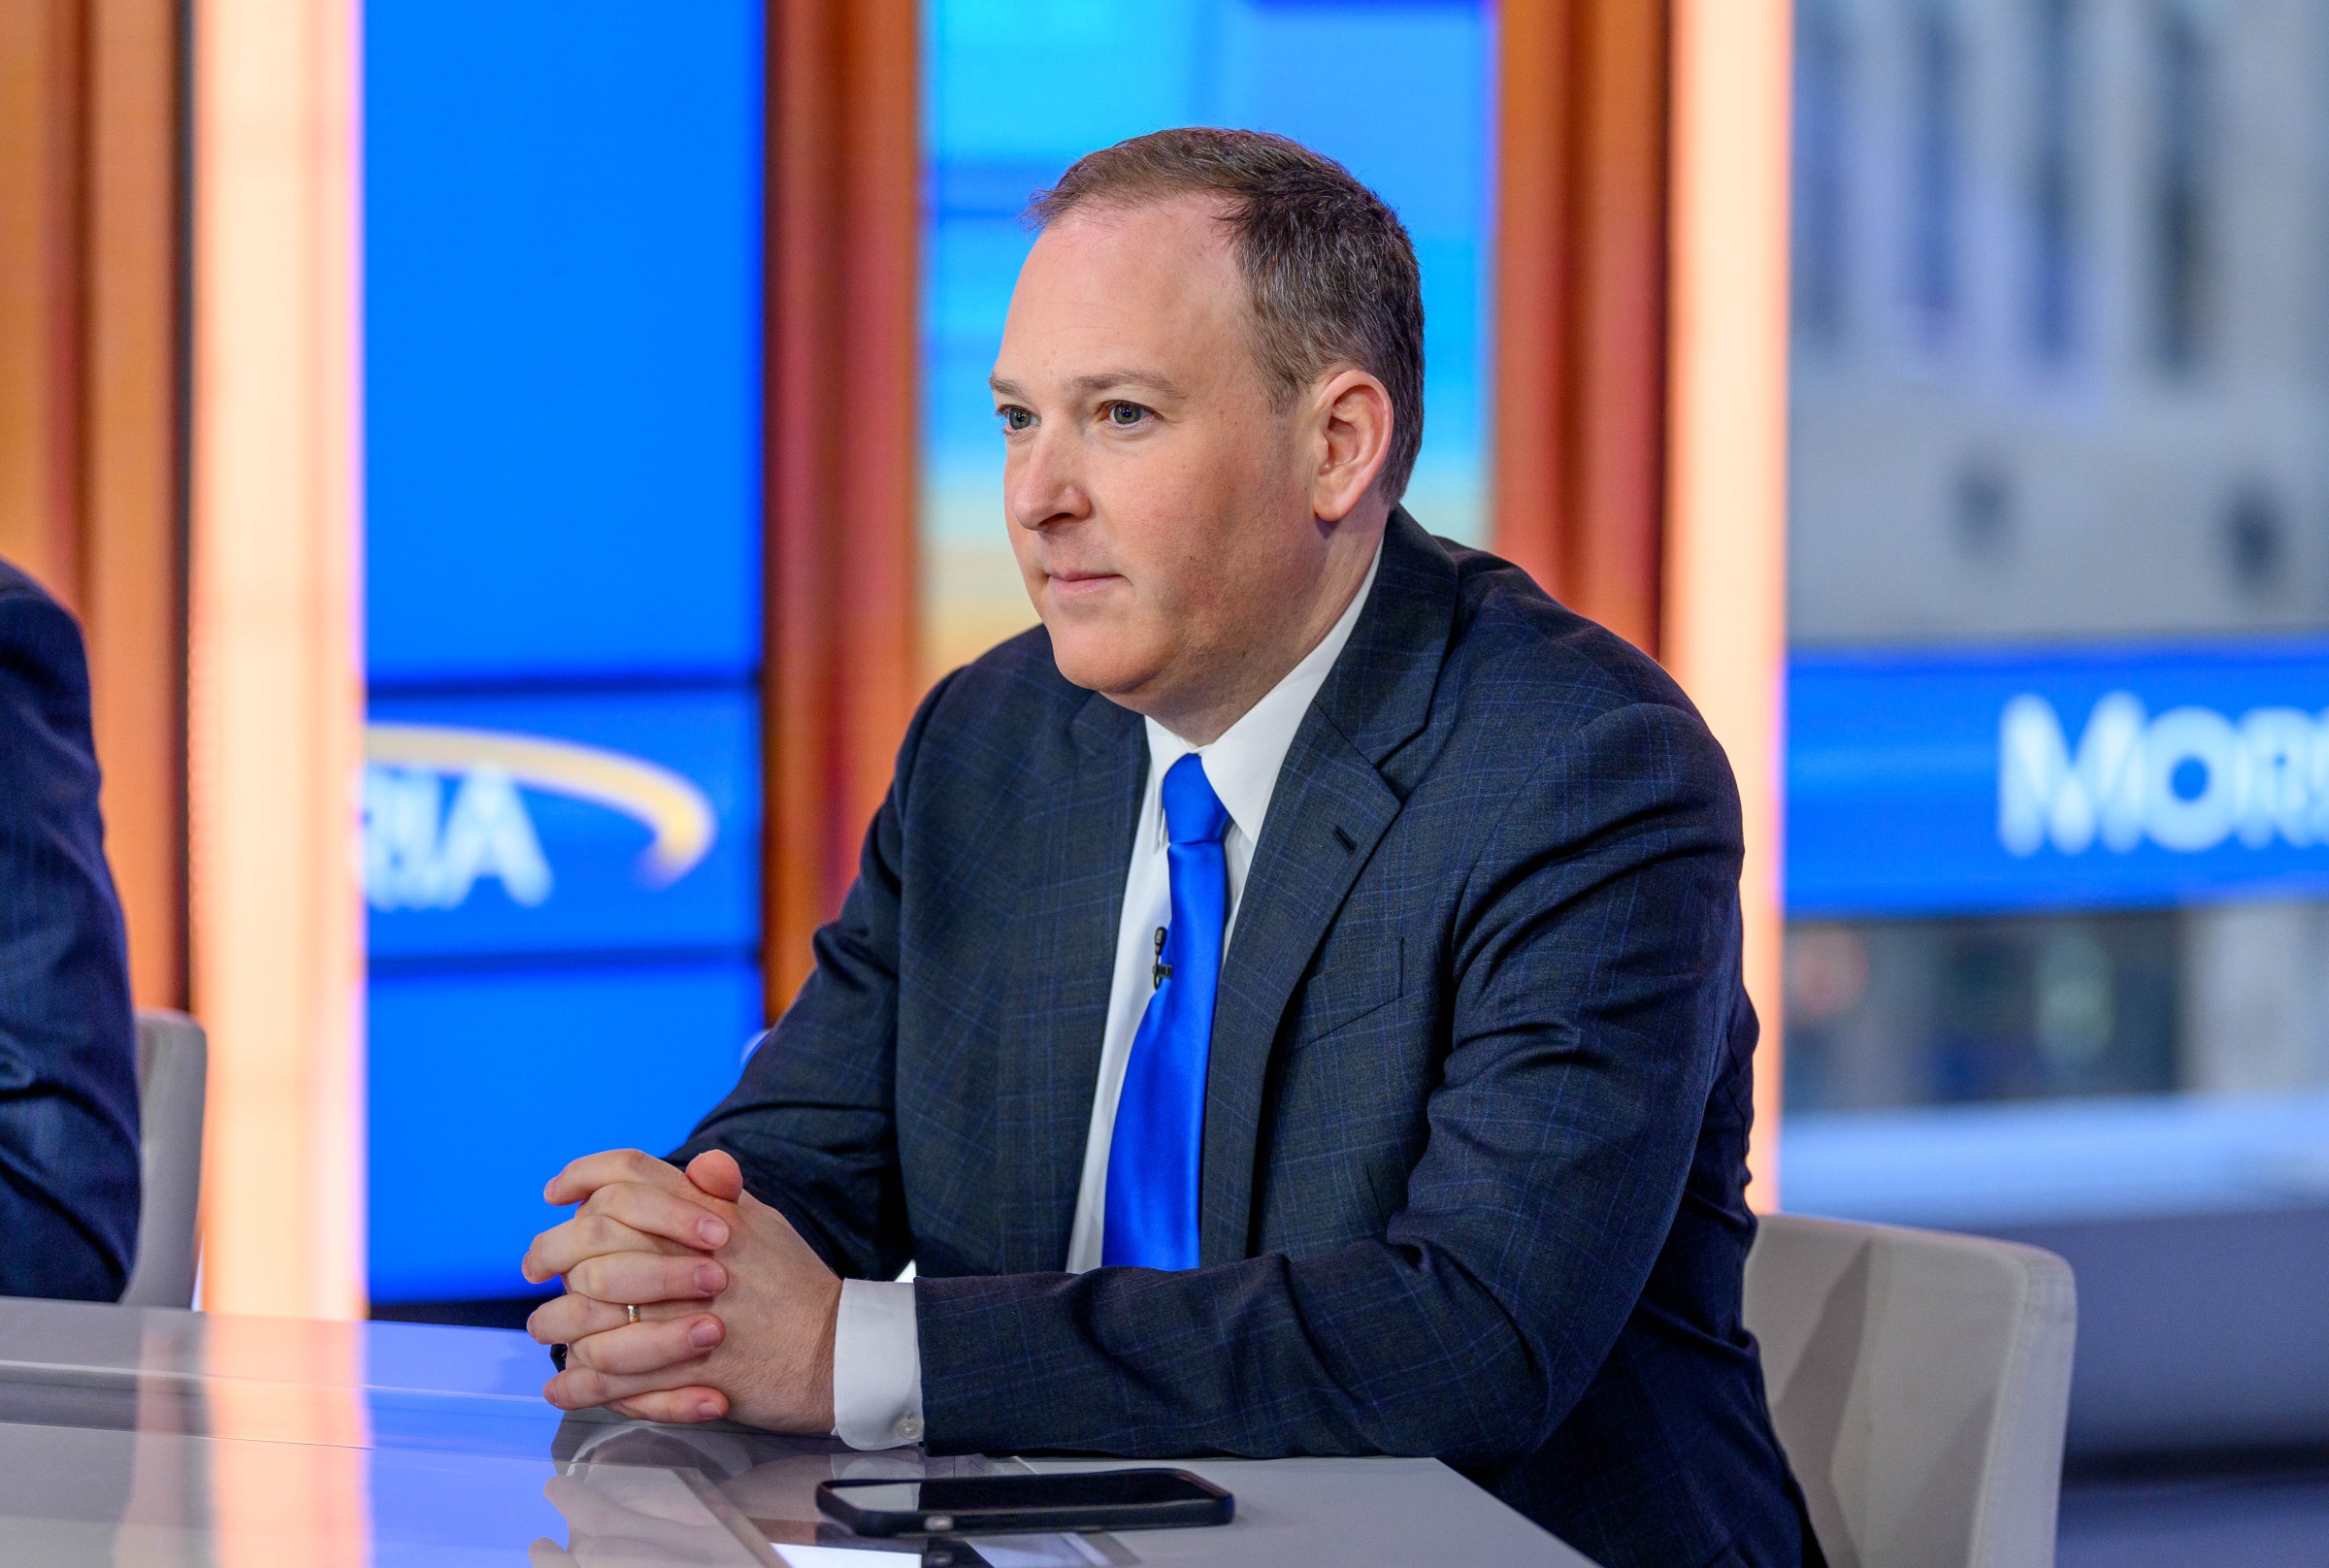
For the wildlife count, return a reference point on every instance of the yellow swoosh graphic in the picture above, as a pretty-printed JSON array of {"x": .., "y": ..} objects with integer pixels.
[{"x": 675, "y": 810}]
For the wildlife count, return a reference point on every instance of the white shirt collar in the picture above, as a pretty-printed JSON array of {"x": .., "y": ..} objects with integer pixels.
[{"x": 1242, "y": 765}]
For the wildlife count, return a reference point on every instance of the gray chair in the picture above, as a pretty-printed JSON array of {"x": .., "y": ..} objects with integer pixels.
[
  {"x": 173, "y": 1079},
  {"x": 1920, "y": 1381}
]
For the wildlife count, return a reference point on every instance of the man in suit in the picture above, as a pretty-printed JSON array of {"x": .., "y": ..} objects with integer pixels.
[
  {"x": 68, "y": 1062},
  {"x": 1290, "y": 1002}
]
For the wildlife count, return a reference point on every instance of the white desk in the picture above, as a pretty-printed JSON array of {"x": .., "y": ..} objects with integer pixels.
[{"x": 133, "y": 1437}]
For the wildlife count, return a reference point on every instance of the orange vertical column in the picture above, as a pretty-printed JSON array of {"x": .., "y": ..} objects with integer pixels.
[
  {"x": 1641, "y": 374},
  {"x": 276, "y": 705},
  {"x": 43, "y": 97},
  {"x": 843, "y": 204},
  {"x": 1726, "y": 544},
  {"x": 1580, "y": 305},
  {"x": 133, "y": 495},
  {"x": 90, "y": 357}
]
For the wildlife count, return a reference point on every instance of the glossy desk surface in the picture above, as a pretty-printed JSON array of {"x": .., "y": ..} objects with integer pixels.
[{"x": 137, "y": 1436}]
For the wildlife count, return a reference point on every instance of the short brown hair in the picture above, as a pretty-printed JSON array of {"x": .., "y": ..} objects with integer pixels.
[{"x": 1329, "y": 273}]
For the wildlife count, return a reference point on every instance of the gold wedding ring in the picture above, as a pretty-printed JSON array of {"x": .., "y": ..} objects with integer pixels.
[{"x": 630, "y": 1315}]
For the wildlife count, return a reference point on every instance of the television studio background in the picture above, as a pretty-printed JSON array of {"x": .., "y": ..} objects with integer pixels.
[{"x": 607, "y": 467}]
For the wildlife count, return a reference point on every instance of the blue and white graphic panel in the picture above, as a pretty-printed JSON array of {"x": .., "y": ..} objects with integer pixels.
[
  {"x": 1995, "y": 779},
  {"x": 499, "y": 1078},
  {"x": 562, "y": 354},
  {"x": 602, "y": 823}
]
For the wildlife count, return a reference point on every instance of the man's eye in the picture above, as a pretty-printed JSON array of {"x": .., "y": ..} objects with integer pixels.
[
  {"x": 1125, "y": 416},
  {"x": 1015, "y": 419}
]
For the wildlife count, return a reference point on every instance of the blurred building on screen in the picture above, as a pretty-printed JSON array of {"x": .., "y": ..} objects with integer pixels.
[{"x": 2058, "y": 752}]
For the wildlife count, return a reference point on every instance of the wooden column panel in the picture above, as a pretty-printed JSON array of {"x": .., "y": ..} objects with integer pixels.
[
  {"x": 133, "y": 587},
  {"x": 42, "y": 101},
  {"x": 1641, "y": 377},
  {"x": 842, "y": 457},
  {"x": 91, "y": 350},
  {"x": 1578, "y": 480}
]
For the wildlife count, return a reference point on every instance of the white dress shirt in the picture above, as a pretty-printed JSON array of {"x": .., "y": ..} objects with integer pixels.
[{"x": 876, "y": 1357}]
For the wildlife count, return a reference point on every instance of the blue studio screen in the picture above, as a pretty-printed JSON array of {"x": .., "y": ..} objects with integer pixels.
[
  {"x": 1937, "y": 781},
  {"x": 563, "y": 622}
]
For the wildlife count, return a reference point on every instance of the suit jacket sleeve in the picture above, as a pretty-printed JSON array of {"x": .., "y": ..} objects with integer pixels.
[
  {"x": 813, "y": 1119},
  {"x": 1593, "y": 986},
  {"x": 68, "y": 1065}
]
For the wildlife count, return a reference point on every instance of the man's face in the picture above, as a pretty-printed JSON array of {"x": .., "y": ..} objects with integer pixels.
[{"x": 1160, "y": 505}]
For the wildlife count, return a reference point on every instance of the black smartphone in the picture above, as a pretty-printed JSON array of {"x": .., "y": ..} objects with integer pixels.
[{"x": 971, "y": 1505}]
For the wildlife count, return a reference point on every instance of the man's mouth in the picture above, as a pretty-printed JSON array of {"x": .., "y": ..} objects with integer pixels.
[{"x": 1073, "y": 583}]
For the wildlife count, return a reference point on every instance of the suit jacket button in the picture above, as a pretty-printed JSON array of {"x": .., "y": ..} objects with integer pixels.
[{"x": 910, "y": 1428}]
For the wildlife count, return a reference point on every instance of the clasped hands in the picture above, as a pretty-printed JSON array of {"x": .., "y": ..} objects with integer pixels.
[{"x": 735, "y": 1312}]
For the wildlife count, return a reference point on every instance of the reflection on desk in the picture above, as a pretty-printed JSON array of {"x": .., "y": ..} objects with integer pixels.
[
  {"x": 133, "y": 1437},
  {"x": 759, "y": 1487}
]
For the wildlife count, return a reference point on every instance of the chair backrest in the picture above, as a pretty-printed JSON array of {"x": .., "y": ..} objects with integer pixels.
[
  {"x": 173, "y": 1079},
  {"x": 1920, "y": 1381}
]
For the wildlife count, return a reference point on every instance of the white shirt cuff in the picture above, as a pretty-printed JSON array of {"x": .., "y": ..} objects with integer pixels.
[{"x": 876, "y": 1365}]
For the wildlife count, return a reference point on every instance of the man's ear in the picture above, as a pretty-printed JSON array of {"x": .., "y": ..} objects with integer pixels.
[{"x": 1353, "y": 419}]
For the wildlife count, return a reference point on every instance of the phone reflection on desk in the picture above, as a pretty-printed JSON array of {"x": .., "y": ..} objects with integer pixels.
[{"x": 633, "y": 1494}]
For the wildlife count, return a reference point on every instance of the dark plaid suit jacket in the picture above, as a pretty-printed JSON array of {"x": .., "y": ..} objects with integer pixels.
[
  {"x": 68, "y": 1062},
  {"x": 1477, "y": 1108}
]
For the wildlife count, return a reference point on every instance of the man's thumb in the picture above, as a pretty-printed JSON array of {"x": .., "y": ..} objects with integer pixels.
[{"x": 718, "y": 1173}]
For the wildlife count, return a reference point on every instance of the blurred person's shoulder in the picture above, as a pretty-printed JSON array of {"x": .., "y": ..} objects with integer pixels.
[
  {"x": 19, "y": 590},
  {"x": 33, "y": 625}
]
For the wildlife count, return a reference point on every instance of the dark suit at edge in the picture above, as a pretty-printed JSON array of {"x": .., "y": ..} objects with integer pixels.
[
  {"x": 68, "y": 1057},
  {"x": 1477, "y": 1103}
]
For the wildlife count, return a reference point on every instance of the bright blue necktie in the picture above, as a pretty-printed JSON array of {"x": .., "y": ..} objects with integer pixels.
[{"x": 1160, "y": 1115}]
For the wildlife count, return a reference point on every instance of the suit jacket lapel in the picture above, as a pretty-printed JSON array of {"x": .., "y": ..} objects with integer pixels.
[
  {"x": 1331, "y": 806},
  {"x": 1064, "y": 950}
]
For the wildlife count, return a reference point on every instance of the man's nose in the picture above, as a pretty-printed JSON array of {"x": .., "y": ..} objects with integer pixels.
[{"x": 1043, "y": 482}]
